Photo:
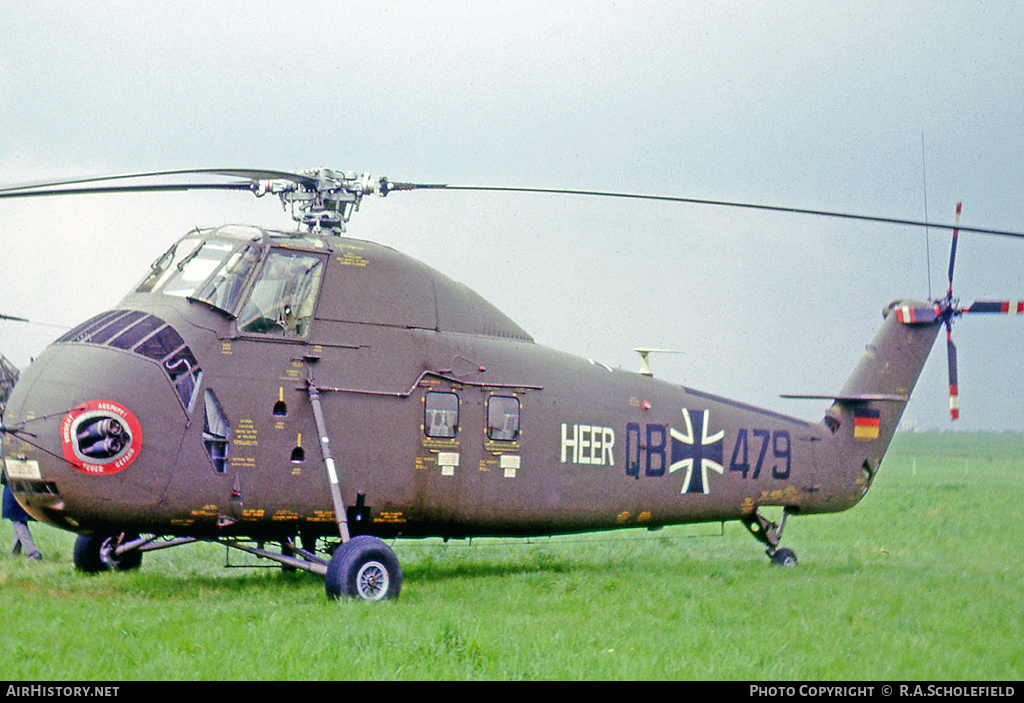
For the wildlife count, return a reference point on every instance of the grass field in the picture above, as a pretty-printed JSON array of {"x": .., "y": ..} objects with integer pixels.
[{"x": 922, "y": 580}]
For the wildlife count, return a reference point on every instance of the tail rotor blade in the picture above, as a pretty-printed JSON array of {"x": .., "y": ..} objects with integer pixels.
[
  {"x": 952, "y": 251},
  {"x": 1005, "y": 307},
  {"x": 954, "y": 388},
  {"x": 910, "y": 315}
]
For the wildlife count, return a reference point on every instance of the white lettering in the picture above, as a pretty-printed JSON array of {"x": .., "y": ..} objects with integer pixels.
[
  {"x": 608, "y": 441},
  {"x": 566, "y": 442},
  {"x": 591, "y": 445},
  {"x": 584, "y": 453}
]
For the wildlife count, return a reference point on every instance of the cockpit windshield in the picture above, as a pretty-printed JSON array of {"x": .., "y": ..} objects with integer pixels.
[{"x": 210, "y": 269}]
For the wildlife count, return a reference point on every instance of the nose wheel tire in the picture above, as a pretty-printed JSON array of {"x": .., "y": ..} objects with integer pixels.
[
  {"x": 96, "y": 553},
  {"x": 364, "y": 568}
]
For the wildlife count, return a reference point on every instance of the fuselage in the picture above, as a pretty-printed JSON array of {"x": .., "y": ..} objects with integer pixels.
[{"x": 186, "y": 410}]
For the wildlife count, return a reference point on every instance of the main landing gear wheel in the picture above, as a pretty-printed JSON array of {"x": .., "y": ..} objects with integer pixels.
[
  {"x": 363, "y": 567},
  {"x": 95, "y": 553}
]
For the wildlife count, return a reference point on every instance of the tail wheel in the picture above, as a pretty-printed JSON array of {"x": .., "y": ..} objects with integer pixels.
[
  {"x": 365, "y": 568},
  {"x": 783, "y": 557},
  {"x": 95, "y": 553}
]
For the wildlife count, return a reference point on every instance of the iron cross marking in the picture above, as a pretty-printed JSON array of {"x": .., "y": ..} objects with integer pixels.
[{"x": 696, "y": 450}]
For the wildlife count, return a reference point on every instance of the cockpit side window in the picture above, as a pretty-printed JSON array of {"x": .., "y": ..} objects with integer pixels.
[{"x": 284, "y": 297}]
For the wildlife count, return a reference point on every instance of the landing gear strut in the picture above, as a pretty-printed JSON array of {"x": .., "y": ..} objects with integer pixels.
[
  {"x": 362, "y": 566},
  {"x": 768, "y": 533}
]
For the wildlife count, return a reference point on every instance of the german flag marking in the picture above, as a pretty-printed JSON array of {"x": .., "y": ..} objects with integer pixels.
[{"x": 866, "y": 423}]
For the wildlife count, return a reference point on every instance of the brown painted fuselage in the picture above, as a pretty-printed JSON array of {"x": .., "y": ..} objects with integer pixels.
[{"x": 443, "y": 416}]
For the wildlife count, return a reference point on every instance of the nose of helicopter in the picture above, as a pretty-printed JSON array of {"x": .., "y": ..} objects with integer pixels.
[{"x": 94, "y": 431}]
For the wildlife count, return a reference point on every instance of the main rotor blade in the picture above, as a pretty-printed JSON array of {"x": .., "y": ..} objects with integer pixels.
[
  {"x": 702, "y": 201},
  {"x": 251, "y": 174},
  {"x": 81, "y": 186},
  {"x": 156, "y": 188}
]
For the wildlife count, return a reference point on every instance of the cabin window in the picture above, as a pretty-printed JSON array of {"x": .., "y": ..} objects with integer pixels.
[
  {"x": 503, "y": 418},
  {"x": 284, "y": 297},
  {"x": 441, "y": 415}
]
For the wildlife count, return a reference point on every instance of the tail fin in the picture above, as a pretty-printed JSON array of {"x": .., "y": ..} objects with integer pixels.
[
  {"x": 876, "y": 394},
  {"x": 864, "y": 415}
]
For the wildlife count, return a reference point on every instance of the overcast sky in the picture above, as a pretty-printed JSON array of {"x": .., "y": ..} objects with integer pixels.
[{"x": 883, "y": 108}]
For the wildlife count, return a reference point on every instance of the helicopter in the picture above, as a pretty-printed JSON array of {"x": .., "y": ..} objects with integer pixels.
[
  {"x": 8, "y": 377},
  {"x": 303, "y": 396}
]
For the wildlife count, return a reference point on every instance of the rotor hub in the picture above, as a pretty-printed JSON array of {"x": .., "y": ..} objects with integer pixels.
[{"x": 323, "y": 200}]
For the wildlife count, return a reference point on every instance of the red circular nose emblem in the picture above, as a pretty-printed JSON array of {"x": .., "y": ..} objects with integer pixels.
[{"x": 100, "y": 437}]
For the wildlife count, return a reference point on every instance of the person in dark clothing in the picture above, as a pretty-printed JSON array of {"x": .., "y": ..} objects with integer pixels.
[{"x": 19, "y": 520}]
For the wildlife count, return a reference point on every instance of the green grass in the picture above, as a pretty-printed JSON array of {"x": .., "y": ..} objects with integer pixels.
[{"x": 923, "y": 580}]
